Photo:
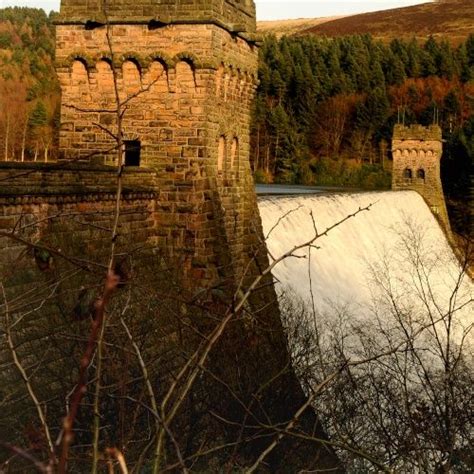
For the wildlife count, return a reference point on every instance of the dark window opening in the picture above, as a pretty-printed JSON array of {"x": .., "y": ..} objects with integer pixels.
[
  {"x": 420, "y": 174},
  {"x": 407, "y": 174},
  {"x": 132, "y": 153}
]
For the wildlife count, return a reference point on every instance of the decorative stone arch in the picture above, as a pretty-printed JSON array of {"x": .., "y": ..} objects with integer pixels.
[
  {"x": 161, "y": 57},
  {"x": 106, "y": 56},
  {"x": 87, "y": 60},
  {"x": 188, "y": 57},
  {"x": 79, "y": 72},
  {"x": 235, "y": 154},
  {"x": 104, "y": 75},
  {"x": 156, "y": 75},
  {"x": 131, "y": 76},
  {"x": 220, "y": 71},
  {"x": 185, "y": 74},
  {"x": 221, "y": 153},
  {"x": 136, "y": 58}
]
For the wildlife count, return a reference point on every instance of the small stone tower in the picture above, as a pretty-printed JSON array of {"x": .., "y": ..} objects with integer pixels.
[{"x": 416, "y": 152}]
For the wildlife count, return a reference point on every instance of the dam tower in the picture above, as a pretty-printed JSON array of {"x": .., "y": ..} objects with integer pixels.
[
  {"x": 416, "y": 152},
  {"x": 185, "y": 73}
]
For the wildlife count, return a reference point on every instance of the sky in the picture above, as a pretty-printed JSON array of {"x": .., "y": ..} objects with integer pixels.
[{"x": 276, "y": 9}]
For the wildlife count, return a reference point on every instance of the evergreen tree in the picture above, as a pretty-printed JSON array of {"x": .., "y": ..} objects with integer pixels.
[
  {"x": 470, "y": 49},
  {"x": 303, "y": 80},
  {"x": 39, "y": 116}
]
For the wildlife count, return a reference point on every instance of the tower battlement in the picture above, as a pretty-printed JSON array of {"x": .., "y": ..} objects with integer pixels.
[
  {"x": 417, "y": 152},
  {"x": 417, "y": 132},
  {"x": 187, "y": 71},
  {"x": 234, "y": 15}
]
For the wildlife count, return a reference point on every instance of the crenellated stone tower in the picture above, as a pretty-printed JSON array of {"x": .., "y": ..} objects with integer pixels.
[
  {"x": 416, "y": 152},
  {"x": 188, "y": 72}
]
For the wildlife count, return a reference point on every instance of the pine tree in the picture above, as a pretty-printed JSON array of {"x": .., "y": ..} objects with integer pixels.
[{"x": 39, "y": 116}]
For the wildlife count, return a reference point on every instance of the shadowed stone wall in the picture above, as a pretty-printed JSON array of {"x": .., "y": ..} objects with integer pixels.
[
  {"x": 187, "y": 72},
  {"x": 34, "y": 197},
  {"x": 416, "y": 154}
]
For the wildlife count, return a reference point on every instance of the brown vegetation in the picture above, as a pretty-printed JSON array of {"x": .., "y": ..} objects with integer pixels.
[
  {"x": 291, "y": 27},
  {"x": 454, "y": 19}
]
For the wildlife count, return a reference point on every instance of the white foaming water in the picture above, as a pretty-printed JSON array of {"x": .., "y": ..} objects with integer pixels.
[{"x": 393, "y": 255}]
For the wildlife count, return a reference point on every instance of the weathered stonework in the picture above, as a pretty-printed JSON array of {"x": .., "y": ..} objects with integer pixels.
[
  {"x": 190, "y": 85},
  {"x": 237, "y": 16},
  {"x": 187, "y": 70},
  {"x": 416, "y": 152}
]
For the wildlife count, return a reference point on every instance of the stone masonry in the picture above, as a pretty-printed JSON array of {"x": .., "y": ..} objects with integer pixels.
[
  {"x": 188, "y": 70},
  {"x": 416, "y": 152}
]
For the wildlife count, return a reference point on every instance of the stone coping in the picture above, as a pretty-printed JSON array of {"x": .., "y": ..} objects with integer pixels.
[
  {"x": 68, "y": 166},
  {"x": 417, "y": 132},
  {"x": 30, "y": 190},
  {"x": 73, "y": 179}
]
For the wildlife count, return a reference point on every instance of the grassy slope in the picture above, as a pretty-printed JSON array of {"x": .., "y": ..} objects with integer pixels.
[
  {"x": 291, "y": 27},
  {"x": 454, "y": 19}
]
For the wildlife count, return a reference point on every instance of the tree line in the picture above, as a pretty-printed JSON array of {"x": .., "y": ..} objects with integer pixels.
[
  {"x": 325, "y": 108},
  {"x": 29, "y": 91}
]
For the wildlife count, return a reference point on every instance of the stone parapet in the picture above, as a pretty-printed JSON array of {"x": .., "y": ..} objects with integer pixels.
[
  {"x": 417, "y": 132},
  {"x": 30, "y": 180},
  {"x": 233, "y": 15}
]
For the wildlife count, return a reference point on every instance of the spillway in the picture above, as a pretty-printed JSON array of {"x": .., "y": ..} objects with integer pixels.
[{"x": 393, "y": 257}]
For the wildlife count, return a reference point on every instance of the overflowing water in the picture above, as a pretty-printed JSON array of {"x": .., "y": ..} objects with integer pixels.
[{"x": 390, "y": 258}]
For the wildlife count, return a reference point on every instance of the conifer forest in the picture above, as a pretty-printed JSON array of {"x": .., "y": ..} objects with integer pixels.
[{"x": 324, "y": 112}]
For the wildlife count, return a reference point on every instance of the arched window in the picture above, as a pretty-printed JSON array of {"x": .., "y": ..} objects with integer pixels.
[
  {"x": 420, "y": 174},
  {"x": 234, "y": 154},
  {"x": 407, "y": 173},
  {"x": 221, "y": 154}
]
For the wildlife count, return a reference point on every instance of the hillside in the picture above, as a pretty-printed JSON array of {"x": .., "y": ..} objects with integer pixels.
[
  {"x": 290, "y": 27},
  {"x": 454, "y": 19}
]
